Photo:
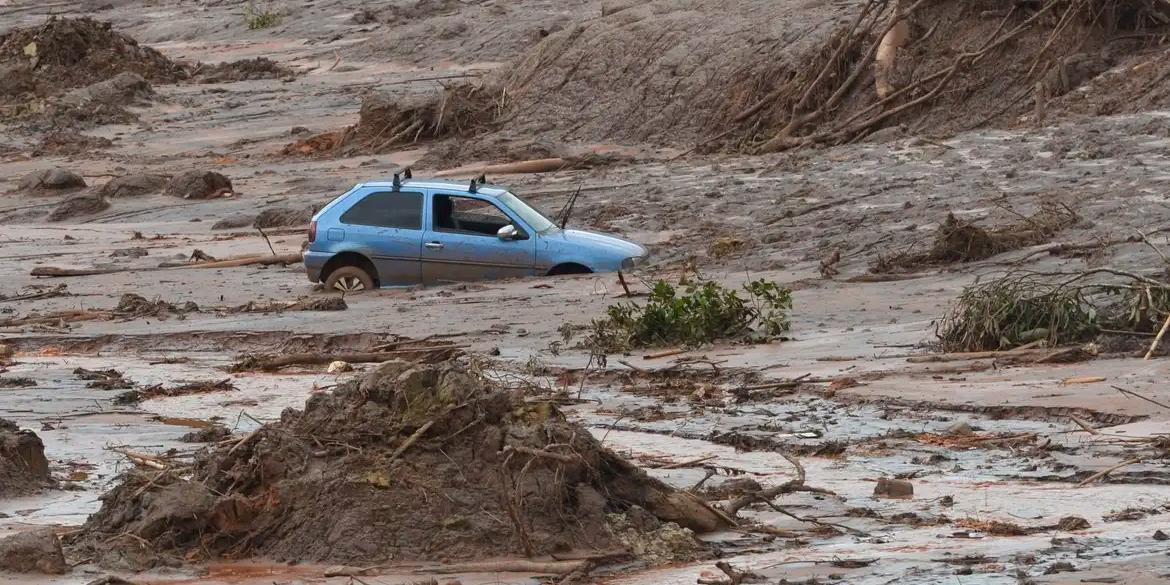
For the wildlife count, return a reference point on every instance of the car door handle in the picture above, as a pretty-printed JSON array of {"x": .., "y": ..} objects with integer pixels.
[{"x": 434, "y": 245}]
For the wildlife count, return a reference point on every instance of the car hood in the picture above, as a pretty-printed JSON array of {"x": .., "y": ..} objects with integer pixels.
[{"x": 596, "y": 240}]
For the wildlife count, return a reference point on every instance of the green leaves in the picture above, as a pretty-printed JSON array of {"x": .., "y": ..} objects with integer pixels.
[{"x": 703, "y": 313}]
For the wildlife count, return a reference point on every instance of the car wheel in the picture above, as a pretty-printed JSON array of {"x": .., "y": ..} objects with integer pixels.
[{"x": 349, "y": 279}]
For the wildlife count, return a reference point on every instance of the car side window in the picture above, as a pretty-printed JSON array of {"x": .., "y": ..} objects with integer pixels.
[
  {"x": 468, "y": 215},
  {"x": 390, "y": 209}
]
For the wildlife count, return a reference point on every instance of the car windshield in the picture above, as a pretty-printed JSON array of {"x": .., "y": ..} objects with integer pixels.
[{"x": 535, "y": 219}]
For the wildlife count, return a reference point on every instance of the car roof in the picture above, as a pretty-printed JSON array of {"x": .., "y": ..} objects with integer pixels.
[{"x": 486, "y": 189}]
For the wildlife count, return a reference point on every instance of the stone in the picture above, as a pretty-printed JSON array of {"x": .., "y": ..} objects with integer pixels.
[
  {"x": 35, "y": 551},
  {"x": 893, "y": 488}
]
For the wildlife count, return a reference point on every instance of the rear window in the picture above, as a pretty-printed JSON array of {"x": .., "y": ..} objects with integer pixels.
[{"x": 388, "y": 209}]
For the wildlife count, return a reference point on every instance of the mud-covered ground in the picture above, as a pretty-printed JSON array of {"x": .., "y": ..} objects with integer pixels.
[{"x": 980, "y": 439}]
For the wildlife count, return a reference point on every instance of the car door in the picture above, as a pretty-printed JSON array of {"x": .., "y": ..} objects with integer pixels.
[
  {"x": 386, "y": 226},
  {"x": 460, "y": 241}
]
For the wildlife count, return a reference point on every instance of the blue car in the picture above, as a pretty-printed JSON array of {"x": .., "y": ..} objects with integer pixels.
[{"x": 399, "y": 233}]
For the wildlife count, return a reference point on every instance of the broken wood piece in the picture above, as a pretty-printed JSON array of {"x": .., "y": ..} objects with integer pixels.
[
  {"x": 689, "y": 463},
  {"x": 53, "y": 271},
  {"x": 543, "y": 454},
  {"x": 632, "y": 366},
  {"x": 1104, "y": 472},
  {"x": 663, "y": 353},
  {"x": 1136, "y": 395},
  {"x": 141, "y": 458},
  {"x": 1084, "y": 425},
  {"x": 540, "y": 165},
  {"x": 409, "y": 441},
  {"x": 977, "y": 355},
  {"x": 507, "y": 566},
  {"x": 1158, "y": 338},
  {"x": 258, "y": 260},
  {"x": 1082, "y": 380}
]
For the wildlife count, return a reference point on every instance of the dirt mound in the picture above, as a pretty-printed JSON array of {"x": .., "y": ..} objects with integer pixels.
[
  {"x": 67, "y": 53},
  {"x": 389, "y": 121},
  {"x": 133, "y": 305},
  {"x": 78, "y": 206},
  {"x": 413, "y": 462},
  {"x": 70, "y": 142},
  {"x": 133, "y": 185},
  {"x": 23, "y": 467},
  {"x": 246, "y": 69},
  {"x": 284, "y": 217},
  {"x": 199, "y": 185},
  {"x": 54, "y": 181}
]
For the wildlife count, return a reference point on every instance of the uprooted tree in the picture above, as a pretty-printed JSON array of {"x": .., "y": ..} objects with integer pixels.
[{"x": 1020, "y": 307}]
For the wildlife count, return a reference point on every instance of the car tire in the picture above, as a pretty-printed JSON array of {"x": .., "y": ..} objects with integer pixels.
[{"x": 349, "y": 280}]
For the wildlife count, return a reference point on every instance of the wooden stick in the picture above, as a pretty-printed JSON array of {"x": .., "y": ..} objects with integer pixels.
[
  {"x": 540, "y": 165},
  {"x": 409, "y": 441},
  {"x": 1104, "y": 472},
  {"x": 1084, "y": 425},
  {"x": 663, "y": 353},
  {"x": 1136, "y": 395},
  {"x": 1158, "y": 338}
]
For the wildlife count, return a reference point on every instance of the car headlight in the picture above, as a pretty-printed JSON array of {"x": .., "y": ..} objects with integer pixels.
[{"x": 633, "y": 262}]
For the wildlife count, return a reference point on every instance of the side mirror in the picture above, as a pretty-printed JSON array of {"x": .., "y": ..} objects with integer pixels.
[{"x": 507, "y": 232}]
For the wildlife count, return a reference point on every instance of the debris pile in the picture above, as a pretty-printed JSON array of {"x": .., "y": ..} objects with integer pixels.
[
  {"x": 963, "y": 241},
  {"x": 275, "y": 217},
  {"x": 388, "y": 121},
  {"x": 134, "y": 305},
  {"x": 23, "y": 467},
  {"x": 68, "y": 53},
  {"x": 412, "y": 462},
  {"x": 243, "y": 70},
  {"x": 186, "y": 389}
]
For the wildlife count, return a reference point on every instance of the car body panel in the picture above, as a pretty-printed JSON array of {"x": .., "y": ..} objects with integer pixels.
[
  {"x": 434, "y": 255},
  {"x": 452, "y": 257}
]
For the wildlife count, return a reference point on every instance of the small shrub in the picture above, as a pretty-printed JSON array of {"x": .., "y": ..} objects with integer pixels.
[
  {"x": 258, "y": 19},
  {"x": 704, "y": 313}
]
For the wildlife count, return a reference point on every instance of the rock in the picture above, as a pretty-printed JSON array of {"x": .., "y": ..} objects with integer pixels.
[
  {"x": 51, "y": 181},
  {"x": 1159, "y": 535},
  {"x": 284, "y": 217},
  {"x": 893, "y": 488},
  {"x": 133, "y": 185},
  {"x": 23, "y": 466},
  {"x": 199, "y": 185},
  {"x": 1072, "y": 523},
  {"x": 80, "y": 205},
  {"x": 35, "y": 551},
  {"x": 1060, "y": 567},
  {"x": 338, "y": 367},
  {"x": 960, "y": 428}
]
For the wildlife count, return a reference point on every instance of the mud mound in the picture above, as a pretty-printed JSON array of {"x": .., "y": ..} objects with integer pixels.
[
  {"x": 199, "y": 185},
  {"x": 284, "y": 217},
  {"x": 133, "y": 185},
  {"x": 78, "y": 206},
  {"x": 422, "y": 462},
  {"x": 389, "y": 121},
  {"x": 69, "y": 142},
  {"x": 54, "y": 181},
  {"x": 66, "y": 53},
  {"x": 23, "y": 467},
  {"x": 247, "y": 69}
]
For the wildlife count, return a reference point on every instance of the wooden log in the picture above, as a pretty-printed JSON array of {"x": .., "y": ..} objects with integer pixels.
[
  {"x": 306, "y": 359},
  {"x": 540, "y": 165},
  {"x": 54, "y": 271},
  {"x": 258, "y": 260}
]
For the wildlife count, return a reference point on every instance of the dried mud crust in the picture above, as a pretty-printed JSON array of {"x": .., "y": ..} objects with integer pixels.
[
  {"x": 23, "y": 467},
  {"x": 413, "y": 462}
]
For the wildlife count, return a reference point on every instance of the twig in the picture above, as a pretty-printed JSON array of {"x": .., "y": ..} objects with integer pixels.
[
  {"x": 266, "y": 240},
  {"x": 1136, "y": 395}
]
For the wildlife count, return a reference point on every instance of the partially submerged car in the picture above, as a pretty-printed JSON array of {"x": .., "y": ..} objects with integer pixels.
[{"x": 406, "y": 232}]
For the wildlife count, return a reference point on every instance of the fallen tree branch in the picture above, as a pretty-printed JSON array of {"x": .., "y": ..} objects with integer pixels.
[
  {"x": 1104, "y": 472},
  {"x": 270, "y": 363}
]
